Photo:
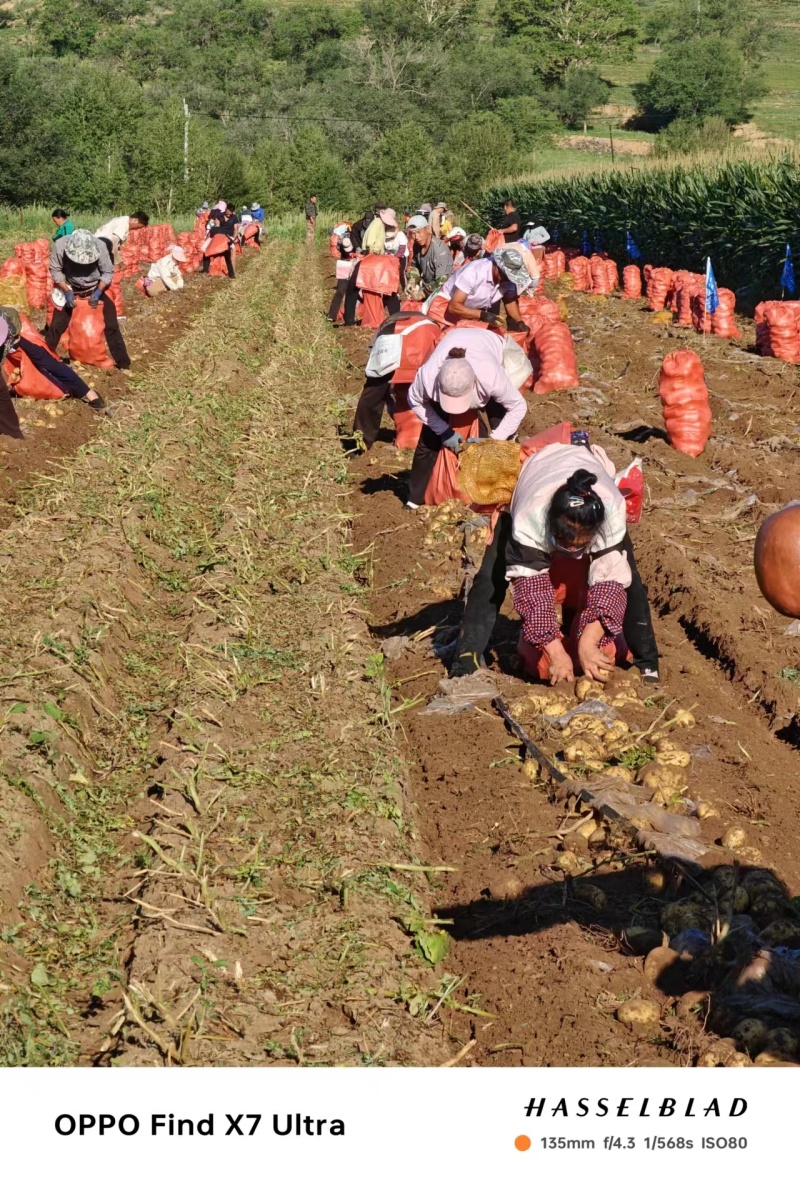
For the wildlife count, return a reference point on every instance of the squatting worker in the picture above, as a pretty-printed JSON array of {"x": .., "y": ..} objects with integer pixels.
[
  {"x": 9, "y": 423},
  {"x": 477, "y": 288},
  {"x": 565, "y": 541},
  {"x": 463, "y": 379},
  {"x": 26, "y": 340},
  {"x": 431, "y": 256},
  {"x": 166, "y": 274},
  {"x": 63, "y": 224},
  {"x": 81, "y": 267},
  {"x": 115, "y": 232}
]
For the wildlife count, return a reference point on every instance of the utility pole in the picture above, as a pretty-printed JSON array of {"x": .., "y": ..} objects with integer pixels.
[
  {"x": 611, "y": 138},
  {"x": 185, "y": 142}
]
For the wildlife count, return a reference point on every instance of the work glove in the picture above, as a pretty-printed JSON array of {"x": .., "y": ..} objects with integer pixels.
[
  {"x": 94, "y": 298},
  {"x": 490, "y": 318},
  {"x": 69, "y": 299},
  {"x": 452, "y": 441},
  {"x": 517, "y": 326},
  {"x": 476, "y": 440}
]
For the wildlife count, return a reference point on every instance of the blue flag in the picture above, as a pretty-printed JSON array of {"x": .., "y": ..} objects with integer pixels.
[
  {"x": 633, "y": 250},
  {"x": 598, "y": 245},
  {"x": 787, "y": 274},
  {"x": 585, "y": 247},
  {"x": 712, "y": 295}
]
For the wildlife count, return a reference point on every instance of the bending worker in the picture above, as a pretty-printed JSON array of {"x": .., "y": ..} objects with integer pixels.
[
  {"x": 477, "y": 288},
  {"x": 25, "y": 340},
  {"x": 565, "y": 541},
  {"x": 81, "y": 267},
  {"x": 115, "y": 232},
  {"x": 462, "y": 381}
]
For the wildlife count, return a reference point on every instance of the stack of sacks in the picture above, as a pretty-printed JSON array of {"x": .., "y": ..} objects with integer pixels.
[
  {"x": 777, "y": 330},
  {"x": 658, "y": 285},
  {"x": 555, "y": 263},
  {"x": 581, "y": 275},
  {"x": 193, "y": 251},
  {"x": 36, "y": 272}
]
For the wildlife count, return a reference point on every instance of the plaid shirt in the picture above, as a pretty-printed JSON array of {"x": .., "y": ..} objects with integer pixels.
[{"x": 534, "y": 602}]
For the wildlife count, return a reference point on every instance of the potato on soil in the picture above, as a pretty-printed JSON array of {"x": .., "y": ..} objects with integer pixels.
[
  {"x": 679, "y": 916},
  {"x": 770, "y": 1058},
  {"x": 693, "y": 1004},
  {"x": 704, "y": 810},
  {"x": 556, "y": 707},
  {"x": 724, "y": 877},
  {"x": 658, "y": 961},
  {"x": 593, "y": 895},
  {"x": 531, "y": 770},
  {"x": 567, "y": 862},
  {"x": 673, "y": 758},
  {"x": 587, "y": 829},
  {"x": 588, "y": 690},
  {"x": 639, "y": 1012},
  {"x": 506, "y": 888},
  {"x": 751, "y": 1034},
  {"x": 734, "y": 838},
  {"x": 583, "y": 724},
  {"x": 655, "y": 778},
  {"x": 623, "y": 773},
  {"x": 683, "y": 718},
  {"x": 737, "y": 901},
  {"x": 655, "y": 881},
  {"x": 663, "y": 745}
]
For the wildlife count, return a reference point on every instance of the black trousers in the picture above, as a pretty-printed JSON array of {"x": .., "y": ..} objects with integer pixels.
[
  {"x": 429, "y": 446},
  {"x": 227, "y": 255},
  {"x": 369, "y": 411},
  {"x": 488, "y": 593},
  {"x": 114, "y": 338},
  {"x": 391, "y": 303},
  {"x": 338, "y": 299},
  {"x": 60, "y": 374}
]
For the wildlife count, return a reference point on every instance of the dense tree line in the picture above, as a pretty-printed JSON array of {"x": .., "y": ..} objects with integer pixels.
[{"x": 379, "y": 99}]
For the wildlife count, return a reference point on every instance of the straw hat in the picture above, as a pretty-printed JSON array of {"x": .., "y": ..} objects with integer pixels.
[{"x": 488, "y": 472}]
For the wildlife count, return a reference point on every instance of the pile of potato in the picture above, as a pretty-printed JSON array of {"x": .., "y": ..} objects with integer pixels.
[{"x": 721, "y": 960}]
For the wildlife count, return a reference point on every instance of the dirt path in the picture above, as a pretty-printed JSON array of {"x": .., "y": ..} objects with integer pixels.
[
  {"x": 205, "y": 830},
  {"x": 549, "y": 966}
]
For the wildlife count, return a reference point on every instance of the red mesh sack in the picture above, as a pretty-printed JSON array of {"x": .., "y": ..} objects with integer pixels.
[
  {"x": 684, "y": 398},
  {"x": 87, "y": 336},
  {"x": 12, "y": 266},
  {"x": 443, "y": 484},
  {"x": 723, "y": 320},
  {"x": 580, "y": 270},
  {"x": 379, "y": 273},
  {"x": 493, "y": 239},
  {"x": 612, "y": 274},
  {"x": 411, "y": 305},
  {"x": 781, "y": 337},
  {"x": 218, "y": 265},
  {"x": 23, "y": 376},
  {"x": 550, "y": 267},
  {"x": 558, "y": 367},
  {"x": 560, "y": 260},
  {"x": 560, "y": 433},
  {"x": 36, "y": 273},
  {"x": 249, "y": 235},
  {"x": 219, "y": 244},
  {"x": 417, "y": 346},
  {"x": 685, "y": 294},
  {"x": 700, "y": 321},
  {"x": 407, "y": 424},
  {"x": 631, "y": 282},
  {"x": 647, "y": 271},
  {"x": 658, "y": 288},
  {"x": 538, "y": 307},
  {"x": 115, "y": 293},
  {"x": 631, "y": 484}
]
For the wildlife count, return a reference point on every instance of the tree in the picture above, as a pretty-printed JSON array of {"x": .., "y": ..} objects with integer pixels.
[
  {"x": 402, "y": 168},
  {"x": 531, "y": 123},
  {"x": 579, "y": 92},
  {"x": 568, "y": 33},
  {"x": 740, "y": 21},
  {"x": 481, "y": 148},
  {"x": 700, "y": 77},
  {"x": 687, "y": 135}
]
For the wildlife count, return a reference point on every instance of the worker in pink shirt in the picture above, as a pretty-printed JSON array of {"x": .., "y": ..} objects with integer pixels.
[{"x": 462, "y": 378}]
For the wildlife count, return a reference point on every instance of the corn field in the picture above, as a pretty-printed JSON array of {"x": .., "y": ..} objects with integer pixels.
[{"x": 741, "y": 213}]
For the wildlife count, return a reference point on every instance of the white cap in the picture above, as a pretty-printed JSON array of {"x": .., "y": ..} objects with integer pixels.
[
  {"x": 456, "y": 232},
  {"x": 417, "y": 222}
]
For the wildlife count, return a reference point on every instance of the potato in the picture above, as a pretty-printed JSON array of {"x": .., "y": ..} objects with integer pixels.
[
  {"x": 594, "y": 764},
  {"x": 663, "y": 745},
  {"x": 704, "y": 811},
  {"x": 734, "y": 838},
  {"x": 506, "y": 888},
  {"x": 659, "y": 961},
  {"x": 684, "y": 719},
  {"x": 673, "y": 758},
  {"x": 580, "y": 749},
  {"x": 623, "y": 773},
  {"x": 531, "y": 770},
  {"x": 770, "y": 1058},
  {"x": 535, "y": 703},
  {"x": 725, "y": 877},
  {"x": 583, "y": 724},
  {"x": 693, "y": 1005},
  {"x": 781, "y": 931},
  {"x": 556, "y": 707},
  {"x": 567, "y": 862},
  {"x": 627, "y": 696},
  {"x": 586, "y": 892},
  {"x": 767, "y": 909},
  {"x": 617, "y": 729},
  {"x": 751, "y": 1034},
  {"x": 639, "y": 1012},
  {"x": 655, "y": 881},
  {"x": 738, "y": 901},
  {"x": 750, "y": 855},
  {"x": 679, "y": 916},
  {"x": 587, "y": 829},
  {"x": 588, "y": 690},
  {"x": 657, "y": 778},
  {"x": 782, "y": 1041}
]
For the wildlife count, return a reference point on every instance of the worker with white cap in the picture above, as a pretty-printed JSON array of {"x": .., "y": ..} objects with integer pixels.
[
  {"x": 165, "y": 274},
  {"x": 431, "y": 256},
  {"x": 455, "y": 239},
  {"x": 462, "y": 381}
]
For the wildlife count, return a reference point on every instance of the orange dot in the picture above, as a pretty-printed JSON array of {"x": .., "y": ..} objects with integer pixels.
[{"x": 522, "y": 1143}]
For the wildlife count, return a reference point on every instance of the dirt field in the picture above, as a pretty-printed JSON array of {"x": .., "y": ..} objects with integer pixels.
[
  {"x": 549, "y": 966},
  {"x": 231, "y": 835}
]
